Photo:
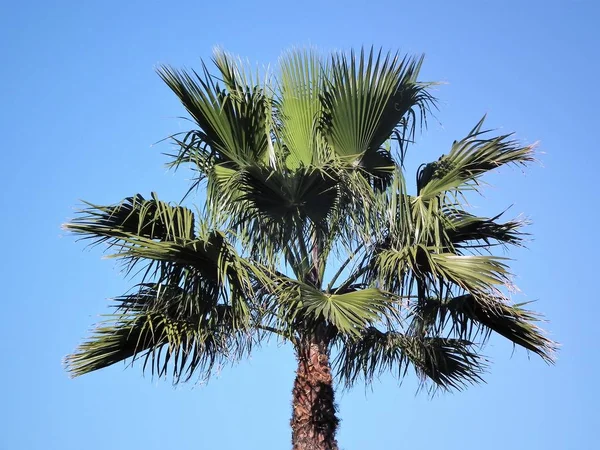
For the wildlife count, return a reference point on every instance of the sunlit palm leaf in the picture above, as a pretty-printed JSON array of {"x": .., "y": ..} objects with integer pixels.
[
  {"x": 368, "y": 96},
  {"x": 233, "y": 122},
  {"x": 349, "y": 313},
  {"x": 299, "y": 108},
  {"x": 472, "y": 273},
  {"x": 468, "y": 159}
]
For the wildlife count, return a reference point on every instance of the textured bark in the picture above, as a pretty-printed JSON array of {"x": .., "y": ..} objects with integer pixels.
[{"x": 314, "y": 422}]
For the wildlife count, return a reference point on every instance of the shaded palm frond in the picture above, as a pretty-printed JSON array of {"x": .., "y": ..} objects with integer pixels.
[
  {"x": 465, "y": 230},
  {"x": 468, "y": 316},
  {"x": 449, "y": 363},
  {"x": 268, "y": 208}
]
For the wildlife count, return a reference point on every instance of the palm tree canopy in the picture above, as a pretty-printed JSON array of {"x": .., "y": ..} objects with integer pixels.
[{"x": 309, "y": 227}]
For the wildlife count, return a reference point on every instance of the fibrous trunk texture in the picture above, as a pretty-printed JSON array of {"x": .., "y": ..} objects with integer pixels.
[{"x": 314, "y": 422}]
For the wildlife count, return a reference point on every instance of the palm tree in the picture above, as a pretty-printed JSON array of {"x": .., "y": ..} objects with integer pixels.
[{"x": 309, "y": 233}]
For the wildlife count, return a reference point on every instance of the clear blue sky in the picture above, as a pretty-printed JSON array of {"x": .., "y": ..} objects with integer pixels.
[{"x": 81, "y": 106}]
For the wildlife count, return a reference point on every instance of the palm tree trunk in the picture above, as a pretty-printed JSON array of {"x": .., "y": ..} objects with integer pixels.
[{"x": 313, "y": 419}]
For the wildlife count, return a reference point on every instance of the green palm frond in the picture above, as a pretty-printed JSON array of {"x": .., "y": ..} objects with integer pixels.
[
  {"x": 135, "y": 217},
  {"x": 349, "y": 313},
  {"x": 160, "y": 240},
  {"x": 194, "y": 304},
  {"x": 468, "y": 231},
  {"x": 309, "y": 193},
  {"x": 166, "y": 342},
  {"x": 267, "y": 208},
  {"x": 368, "y": 97},
  {"x": 468, "y": 316},
  {"x": 233, "y": 122},
  {"x": 303, "y": 74},
  {"x": 468, "y": 159},
  {"x": 449, "y": 363},
  {"x": 472, "y": 273}
]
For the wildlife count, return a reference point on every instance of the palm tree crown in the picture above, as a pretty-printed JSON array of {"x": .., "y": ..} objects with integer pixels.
[{"x": 310, "y": 233}]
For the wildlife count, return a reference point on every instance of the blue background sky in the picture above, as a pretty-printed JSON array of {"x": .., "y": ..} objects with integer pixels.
[{"x": 81, "y": 106}]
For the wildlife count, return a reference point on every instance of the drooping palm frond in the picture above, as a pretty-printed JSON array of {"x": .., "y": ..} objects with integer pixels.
[
  {"x": 449, "y": 363},
  {"x": 467, "y": 231},
  {"x": 468, "y": 316},
  {"x": 163, "y": 339},
  {"x": 420, "y": 254},
  {"x": 173, "y": 254},
  {"x": 162, "y": 239}
]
